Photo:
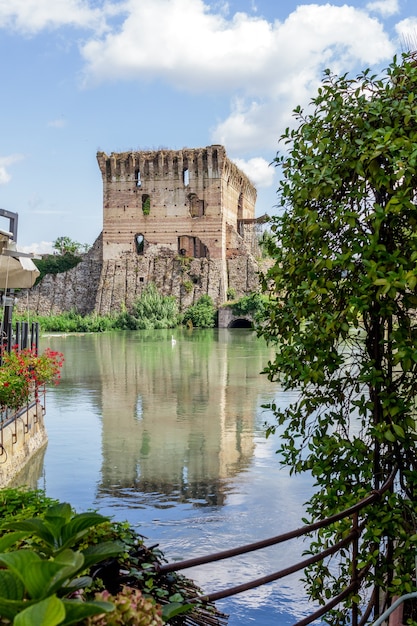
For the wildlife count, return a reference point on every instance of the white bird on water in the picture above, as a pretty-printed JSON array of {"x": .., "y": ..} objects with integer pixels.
[{"x": 173, "y": 341}]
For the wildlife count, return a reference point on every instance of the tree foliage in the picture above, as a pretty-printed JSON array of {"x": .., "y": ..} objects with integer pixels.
[
  {"x": 55, "y": 264},
  {"x": 253, "y": 304},
  {"x": 342, "y": 313},
  {"x": 66, "y": 245}
]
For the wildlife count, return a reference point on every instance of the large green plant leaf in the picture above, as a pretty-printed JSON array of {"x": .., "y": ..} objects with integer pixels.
[
  {"x": 48, "y": 612},
  {"x": 60, "y": 510},
  {"x": 34, "y": 526},
  {"x": 47, "y": 577},
  {"x": 60, "y": 529},
  {"x": 19, "y": 562},
  {"x": 78, "y": 526},
  {"x": 42, "y": 577},
  {"x": 11, "y": 586},
  {"x": 10, "y": 608},
  {"x": 10, "y": 539},
  {"x": 75, "y": 584},
  {"x": 101, "y": 551},
  {"x": 76, "y": 611}
]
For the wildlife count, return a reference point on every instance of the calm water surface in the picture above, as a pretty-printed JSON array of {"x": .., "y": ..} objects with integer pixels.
[{"x": 171, "y": 438}]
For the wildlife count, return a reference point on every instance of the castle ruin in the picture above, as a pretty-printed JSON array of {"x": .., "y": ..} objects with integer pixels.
[{"x": 182, "y": 219}]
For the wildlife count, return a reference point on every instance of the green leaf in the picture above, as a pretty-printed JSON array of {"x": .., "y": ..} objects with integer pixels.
[
  {"x": 76, "y": 611},
  {"x": 48, "y": 612},
  {"x": 35, "y": 527},
  {"x": 389, "y": 436},
  {"x": 10, "y": 608},
  {"x": 175, "y": 608},
  {"x": 398, "y": 430},
  {"x": 101, "y": 551},
  {"x": 9, "y": 539},
  {"x": 11, "y": 586},
  {"x": 78, "y": 526},
  {"x": 20, "y": 562}
]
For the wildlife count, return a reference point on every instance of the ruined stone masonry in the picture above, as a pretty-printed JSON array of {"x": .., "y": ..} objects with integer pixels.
[{"x": 183, "y": 219}]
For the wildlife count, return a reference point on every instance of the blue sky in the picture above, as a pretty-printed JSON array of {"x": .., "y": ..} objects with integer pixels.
[{"x": 79, "y": 76}]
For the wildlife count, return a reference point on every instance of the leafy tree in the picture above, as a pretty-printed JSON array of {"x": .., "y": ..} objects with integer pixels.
[
  {"x": 264, "y": 241},
  {"x": 342, "y": 313},
  {"x": 65, "y": 245}
]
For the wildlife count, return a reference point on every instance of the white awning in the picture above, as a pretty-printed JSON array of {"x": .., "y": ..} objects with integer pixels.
[{"x": 17, "y": 270}]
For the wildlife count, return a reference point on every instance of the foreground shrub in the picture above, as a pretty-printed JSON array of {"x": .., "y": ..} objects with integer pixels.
[
  {"x": 131, "y": 607},
  {"x": 58, "y": 567}
]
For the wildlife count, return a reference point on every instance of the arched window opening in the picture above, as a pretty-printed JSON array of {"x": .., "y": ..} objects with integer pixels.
[
  {"x": 146, "y": 204},
  {"x": 186, "y": 177},
  {"x": 137, "y": 179},
  {"x": 139, "y": 243}
]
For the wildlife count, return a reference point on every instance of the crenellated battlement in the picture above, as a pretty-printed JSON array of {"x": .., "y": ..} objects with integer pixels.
[{"x": 208, "y": 162}]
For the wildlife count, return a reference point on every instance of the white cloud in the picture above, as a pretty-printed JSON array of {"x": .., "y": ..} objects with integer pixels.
[
  {"x": 258, "y": 170},
  {"x": 206, "y": 51},
  {"x": 44, "y": 247},
  {"x": 5, "y": 162},
  {"x": 407, "y": 33},
  {"x": 202, "y": 51},
  {"x": 266, "y": 67},
  {"x": 385, "y": 7},
  {"x": 32, "y": 16}
]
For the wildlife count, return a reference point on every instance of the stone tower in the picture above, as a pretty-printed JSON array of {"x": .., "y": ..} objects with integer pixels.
[
  {"x": 190, "y": 202},
  {"x": 181, "y": 219}
]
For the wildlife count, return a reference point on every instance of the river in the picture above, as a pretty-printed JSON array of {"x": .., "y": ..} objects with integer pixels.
[{"x": 169, "y": 435}]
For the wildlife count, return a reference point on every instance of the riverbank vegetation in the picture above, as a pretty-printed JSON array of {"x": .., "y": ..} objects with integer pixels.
[
  {"x": 151, "y": 310},
  {"x": 58, "y": 567},
  {"x": 342, "y": 314}
]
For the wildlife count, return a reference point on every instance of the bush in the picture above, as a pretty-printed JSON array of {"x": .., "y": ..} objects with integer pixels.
[
  {"x": 253, "y": 305},
  {"x": 202, "y": 314},
  {"x": 152, "y": 310},
  {"x": 60, "y": 567},
  {"x": 71, "y": 322}
]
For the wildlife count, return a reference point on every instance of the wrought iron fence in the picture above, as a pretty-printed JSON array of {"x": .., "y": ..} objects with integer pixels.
[{"x": 352, "y": 539}]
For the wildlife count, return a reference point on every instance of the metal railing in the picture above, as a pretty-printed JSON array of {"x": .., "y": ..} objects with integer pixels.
[
  {"x": 10, "y": 417},
  {"x": 23, "y": 336},
  {"x": 351, "y": 539}
]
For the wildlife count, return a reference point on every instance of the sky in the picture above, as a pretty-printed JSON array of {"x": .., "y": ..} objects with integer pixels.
[{"x": 78, "y": 76}]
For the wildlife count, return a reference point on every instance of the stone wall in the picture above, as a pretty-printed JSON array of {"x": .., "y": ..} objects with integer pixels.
[
  {"x": 105, "y": 286},
  {"x": 21, "y": 440}
]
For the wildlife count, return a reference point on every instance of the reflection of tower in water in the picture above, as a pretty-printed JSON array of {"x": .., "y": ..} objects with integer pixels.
[{"x": 177, "y": 421}]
